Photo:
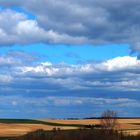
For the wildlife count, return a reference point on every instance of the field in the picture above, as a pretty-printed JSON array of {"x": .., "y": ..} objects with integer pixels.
[
  {"x": 16, "y": 127},
  {"x": 129, "y": 126},
  {"x": 91, "y": 121}
]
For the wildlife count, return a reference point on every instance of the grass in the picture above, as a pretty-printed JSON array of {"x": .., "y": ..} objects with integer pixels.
[
  {"x": 81, "y": 134},
  {"x": 54, "y": 124},
  {"x": 10, "y": 121},
  {"x": 129, "y": 129},
  {"x": 135, "y": 123},
  {"x": 7, "y": 138},
  {"x": 30, "y": 121}
]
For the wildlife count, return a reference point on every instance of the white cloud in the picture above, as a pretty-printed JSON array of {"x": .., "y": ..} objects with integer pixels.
[
  {"x": 21, "y": 30},
  {"x": 5, "y": 79},
  {"x": 80, "y": 22},
  {"x": 117, "y": 74},
  {"x": 119, "y": 63},
  {"x": 39, "y": 85}
]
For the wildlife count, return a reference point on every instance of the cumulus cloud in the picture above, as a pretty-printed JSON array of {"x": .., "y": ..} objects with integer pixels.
[
  {"x": 21, "y": 30},
  {"x": 115, "y": 64},
  {"x": 117, "y": 74},
  {"x": 15, "y": 28},
  {"x": 48, "y": 86},
  {"x": 74, "y": 22}
]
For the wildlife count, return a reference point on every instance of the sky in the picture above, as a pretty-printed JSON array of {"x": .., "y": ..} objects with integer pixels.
[{"x": 69, "y": 58}]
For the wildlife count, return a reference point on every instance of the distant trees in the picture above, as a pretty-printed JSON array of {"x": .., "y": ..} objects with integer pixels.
[{"x": 109, "y": 119}]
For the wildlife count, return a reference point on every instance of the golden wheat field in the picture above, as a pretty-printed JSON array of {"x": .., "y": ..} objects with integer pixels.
[
  {"x": 123, "y": 123},
  {"x": 127, "y": 125},
  {"x": 20, "y": 129}
]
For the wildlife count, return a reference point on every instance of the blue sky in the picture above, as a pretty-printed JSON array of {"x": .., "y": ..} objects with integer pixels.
[
  {"x": 75, "y": 62},
  {"x": 72, "y": 54}
]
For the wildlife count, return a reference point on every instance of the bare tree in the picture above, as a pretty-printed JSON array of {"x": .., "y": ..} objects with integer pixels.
[{"x": 109, "y": 119}]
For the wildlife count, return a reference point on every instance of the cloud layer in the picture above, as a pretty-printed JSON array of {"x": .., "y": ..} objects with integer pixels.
[
  {"x": 42, "y": 85},
  {"x": 72, "y": 22},
  {"x": 27, "y": 81},
  {"x": 120, "y": 73}
]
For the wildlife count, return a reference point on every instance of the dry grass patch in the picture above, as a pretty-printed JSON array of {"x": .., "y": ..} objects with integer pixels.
[
  {"x": 81, "y": 122},
  {"x": 20, "y": 129}
]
